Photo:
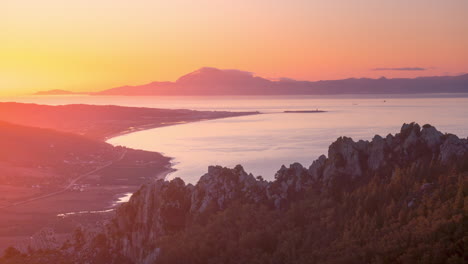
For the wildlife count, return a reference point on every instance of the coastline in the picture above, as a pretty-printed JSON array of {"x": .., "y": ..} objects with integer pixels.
[
  {"x": 158, "y": 125},
  {"x": 167, "y": 168}
]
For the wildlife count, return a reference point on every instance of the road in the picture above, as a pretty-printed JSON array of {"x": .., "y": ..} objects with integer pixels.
[{"x": 70, "y": 185}]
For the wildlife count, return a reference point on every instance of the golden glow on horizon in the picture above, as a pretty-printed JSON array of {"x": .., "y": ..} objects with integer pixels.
[{"x": 91, "y": 45}]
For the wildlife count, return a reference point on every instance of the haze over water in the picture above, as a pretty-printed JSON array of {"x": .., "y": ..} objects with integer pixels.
[{"x": 262, "y": 143}]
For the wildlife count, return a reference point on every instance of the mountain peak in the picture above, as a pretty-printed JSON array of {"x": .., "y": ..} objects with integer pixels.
[{"x": 210, "y": 74}]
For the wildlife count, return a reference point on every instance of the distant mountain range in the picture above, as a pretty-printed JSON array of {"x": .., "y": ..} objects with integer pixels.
[
  {"x": 212, "y": 81},
  {"x": 56, "y": 92}
]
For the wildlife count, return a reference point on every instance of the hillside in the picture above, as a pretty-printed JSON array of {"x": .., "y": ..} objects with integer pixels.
[
  {"x": 398, "y": 199},
  {"x": 44, "y": 173},
  {"x": 100, "y": 122},
  {"x": 212, "y": 81},
  {"x": 46, "y": 149}
]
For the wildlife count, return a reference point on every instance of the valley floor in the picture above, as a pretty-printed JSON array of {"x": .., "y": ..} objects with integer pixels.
[{"x": 32, "y": 213}]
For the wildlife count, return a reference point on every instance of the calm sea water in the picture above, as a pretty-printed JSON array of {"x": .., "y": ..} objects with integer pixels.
[{"x": 262, "y": 143}]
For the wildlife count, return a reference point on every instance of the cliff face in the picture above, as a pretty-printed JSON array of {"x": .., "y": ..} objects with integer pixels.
[
  {"x": 155, "y": 210},
  {"x": 163, "y": 208}
]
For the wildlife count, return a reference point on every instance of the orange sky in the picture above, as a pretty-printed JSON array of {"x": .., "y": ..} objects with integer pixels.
[{"x": 86, "y": 45}]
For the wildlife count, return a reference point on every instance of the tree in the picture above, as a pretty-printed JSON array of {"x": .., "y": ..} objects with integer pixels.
[
  {"x": 460, "y": 197},
  {"x": 11, "y": 252}
]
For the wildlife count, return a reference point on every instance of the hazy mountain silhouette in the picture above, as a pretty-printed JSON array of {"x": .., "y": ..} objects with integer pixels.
[
  {"x": 212, "y": 81},
  {"x": 55, "y": 92}
]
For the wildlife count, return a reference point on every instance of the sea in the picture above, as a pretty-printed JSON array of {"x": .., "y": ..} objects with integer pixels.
[{"x": 262, "y": 143}]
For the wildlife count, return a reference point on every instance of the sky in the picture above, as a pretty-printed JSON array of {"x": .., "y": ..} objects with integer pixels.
[{"x": 90, "y": 45}]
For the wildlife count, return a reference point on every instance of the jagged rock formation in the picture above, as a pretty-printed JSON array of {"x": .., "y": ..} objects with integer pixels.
[
  {"x": 163, "y": 207},
  {"x": 363, "y": 158}
]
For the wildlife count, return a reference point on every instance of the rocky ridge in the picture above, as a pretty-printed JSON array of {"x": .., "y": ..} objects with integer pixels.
[{"x": 163, "y": 207}]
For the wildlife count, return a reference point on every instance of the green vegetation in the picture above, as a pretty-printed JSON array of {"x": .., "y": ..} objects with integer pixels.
[{"x": 414, "y": 217}]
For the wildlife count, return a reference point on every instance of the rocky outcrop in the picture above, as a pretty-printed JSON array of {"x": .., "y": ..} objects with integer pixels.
[
  {"x": 160, "y": 208},
  {"x": 220, "y": 186},
  {"x": 287, "y": 184},
  {"x": 453, "y": 148},
  {"x": 163, "y": 207},
  {"x": 381, "y": 155},
  {"x": 153, "y": 211}
]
